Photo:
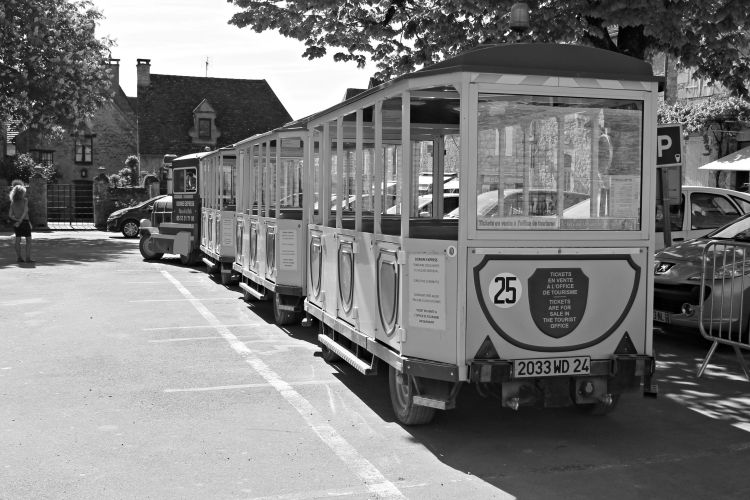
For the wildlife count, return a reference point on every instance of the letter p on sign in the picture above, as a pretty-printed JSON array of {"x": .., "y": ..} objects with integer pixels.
[
  {"x": 664, "y": 144},
  {"x": 669, "y": 145}
]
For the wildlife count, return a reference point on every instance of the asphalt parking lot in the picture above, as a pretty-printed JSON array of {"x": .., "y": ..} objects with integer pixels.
[{"x": 129, "y": 379}]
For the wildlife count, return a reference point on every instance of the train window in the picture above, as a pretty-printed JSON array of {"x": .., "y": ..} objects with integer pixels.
[
  {"x": 422, "y": 158},
  {"x": 549, "y": 162},
  {"x": 271, "y": 177},
  {"x": 255, "y": 178},
  {"x": 184, "y": 180},
  {"x": 316, "y": 175},
  {"x": 349, "y": 187},
  {"x": 229, "y": 182},
  {"x": 391, "y": 189},
  {"x": 290, "y": 175},
  {"x": 368, "y": 179},
  {"x": 262, "y": 176},
  {"x": 332, "y": 167}
]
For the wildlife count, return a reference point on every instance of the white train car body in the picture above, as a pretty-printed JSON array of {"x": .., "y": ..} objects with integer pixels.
[{"x": 538, "y": 289}]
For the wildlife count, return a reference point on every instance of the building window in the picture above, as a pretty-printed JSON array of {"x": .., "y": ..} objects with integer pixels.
[
  {"x": 204, "y": 128},
  {"x": 43, "y": 156},
  {"x": 84, "y": 149}
]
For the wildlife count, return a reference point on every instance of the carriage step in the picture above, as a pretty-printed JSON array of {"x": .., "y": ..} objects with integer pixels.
[
  {"x": 209, "y": 263},
  {"x": 252, "y": 291},
  {"x": 439, "y": 404},
  {"x": 348, "y": 356},
  {"x": 294, "y": 309}
]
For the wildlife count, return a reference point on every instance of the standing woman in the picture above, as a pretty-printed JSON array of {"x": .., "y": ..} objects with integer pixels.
[{"x": 19, "y": 214}]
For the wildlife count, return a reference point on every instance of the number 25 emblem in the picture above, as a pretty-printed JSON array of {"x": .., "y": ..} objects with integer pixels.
[{"x": 505, "y": 290}]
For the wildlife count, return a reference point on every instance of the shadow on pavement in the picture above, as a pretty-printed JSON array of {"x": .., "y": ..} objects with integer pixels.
[
  {"x": 555, "y": 452},
  {"x": 65, "y": 251}
]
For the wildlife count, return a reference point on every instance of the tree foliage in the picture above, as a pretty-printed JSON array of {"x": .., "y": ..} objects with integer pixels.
[
  {"x": 23, "y": 167},
  {"x": 400, "y": 36},
  {"x": 52, "y": 67},
  {"x": 720, "y": 117}
]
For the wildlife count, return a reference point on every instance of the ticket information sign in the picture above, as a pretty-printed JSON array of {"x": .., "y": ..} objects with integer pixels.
[
  {"x": 427, "y": 291},
  {"x": 288, "y": 250},
  {"x": 557, "y": 298},
  {"x": 185, "y": 209}
]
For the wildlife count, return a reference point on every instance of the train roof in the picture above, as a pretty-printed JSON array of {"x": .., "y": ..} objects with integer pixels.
[
  {"x": 537, "y": 59},
  {"x": 549, "y": 59},
  {"x": 191, "y": 159}
]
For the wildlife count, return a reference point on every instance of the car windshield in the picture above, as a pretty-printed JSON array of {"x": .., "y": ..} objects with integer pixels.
[
  {"x": 147, "y": 202},
  {"x": 739, "y": 229}
]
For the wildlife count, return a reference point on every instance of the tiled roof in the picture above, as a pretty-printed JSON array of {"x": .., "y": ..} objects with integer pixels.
[{"x": 165, "y": 111}]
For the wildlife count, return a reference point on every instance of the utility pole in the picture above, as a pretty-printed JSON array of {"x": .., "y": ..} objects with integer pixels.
[{"x": 206, "y": 66}]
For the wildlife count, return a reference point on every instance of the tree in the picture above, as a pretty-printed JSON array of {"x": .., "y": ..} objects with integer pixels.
[
  {"x": 720, "y": 117},
  {"x": 134, "y": 164},
  {"x": 23, "y": 166},
  {"x": 52, "y": 67},
  {"x": 402, "y": 35}
]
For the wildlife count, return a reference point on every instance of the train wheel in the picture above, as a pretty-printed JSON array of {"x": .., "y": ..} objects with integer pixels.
[
  {"x": 328, "y": 355},
  {"x": 148, "y": 249},
  {"x": 283, "y": 317},
  {"x": 600, "y": 408},
  {"x": 226, "y": 278},
  {"x": 187, "y": 260},
  {"x": 402, "y": 398}
]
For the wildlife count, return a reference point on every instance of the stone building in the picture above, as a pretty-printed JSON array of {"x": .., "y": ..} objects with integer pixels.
[
  {"x": 703, "y": 148},
  {"x": 186, "y": 114},
  {"x": 169, "y": 115}
]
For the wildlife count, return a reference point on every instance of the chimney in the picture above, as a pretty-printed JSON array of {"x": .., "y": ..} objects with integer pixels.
[
  {"x": 113, "y": 66},
  {"x": 143, "y": 67}
]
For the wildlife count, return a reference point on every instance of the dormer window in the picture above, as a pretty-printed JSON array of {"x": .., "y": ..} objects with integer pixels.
[
  {"x": 204, "y": 131},
  {"x": 204, "y": 128}
]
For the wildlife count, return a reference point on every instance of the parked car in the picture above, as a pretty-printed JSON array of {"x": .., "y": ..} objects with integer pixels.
[
  {"x": 424, "y": 205},
  {"x": 709, "y": 208},
  {"x": 541, "y": 202},
  {"x": 128, "y": 220},
  {"x": 678, "y": 271}
]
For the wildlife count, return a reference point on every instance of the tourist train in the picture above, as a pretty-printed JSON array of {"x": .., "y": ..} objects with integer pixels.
[{"x": 485, "y": 220}]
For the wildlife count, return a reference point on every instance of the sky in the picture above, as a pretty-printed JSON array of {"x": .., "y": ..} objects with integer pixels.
[{"x": 179, "y": 35}]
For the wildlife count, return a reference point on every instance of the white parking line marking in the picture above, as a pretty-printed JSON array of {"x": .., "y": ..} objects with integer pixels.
[
  {"x": 252, "y": 340},
  {"x": 22, "y": 302},
  {"x": 373, "y": 479},
  {"x": 180, "y": 300},
  {"x": 199, "y": 326},
  {"x": 248, "y": 386},
  {"x": 188, "y": 339},
  {"x": 156, "y": 282}
]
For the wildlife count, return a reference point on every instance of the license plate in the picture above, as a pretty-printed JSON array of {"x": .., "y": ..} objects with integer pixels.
[
  {"x": 550, "y": 367},
  {"x": 661, "y": 316}
]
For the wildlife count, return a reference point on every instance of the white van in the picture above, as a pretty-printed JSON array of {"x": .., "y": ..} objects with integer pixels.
[{"x": 702, "y": 210}]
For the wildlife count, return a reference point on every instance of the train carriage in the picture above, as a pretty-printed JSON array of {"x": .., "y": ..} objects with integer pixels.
[
  {"x": 539, "y": 291},
  {"x": 218, "y": 193},
  {"x": 174, "y": 226},
  {"x": 270, "y": 231}
]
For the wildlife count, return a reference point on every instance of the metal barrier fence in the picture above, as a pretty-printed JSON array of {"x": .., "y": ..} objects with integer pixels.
[{"x": 725, "y": 304}]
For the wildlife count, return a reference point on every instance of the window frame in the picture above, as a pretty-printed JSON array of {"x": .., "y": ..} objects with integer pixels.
[
  {"x": 85, "y": 142},
  {"x": 209, "y": 125}
]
